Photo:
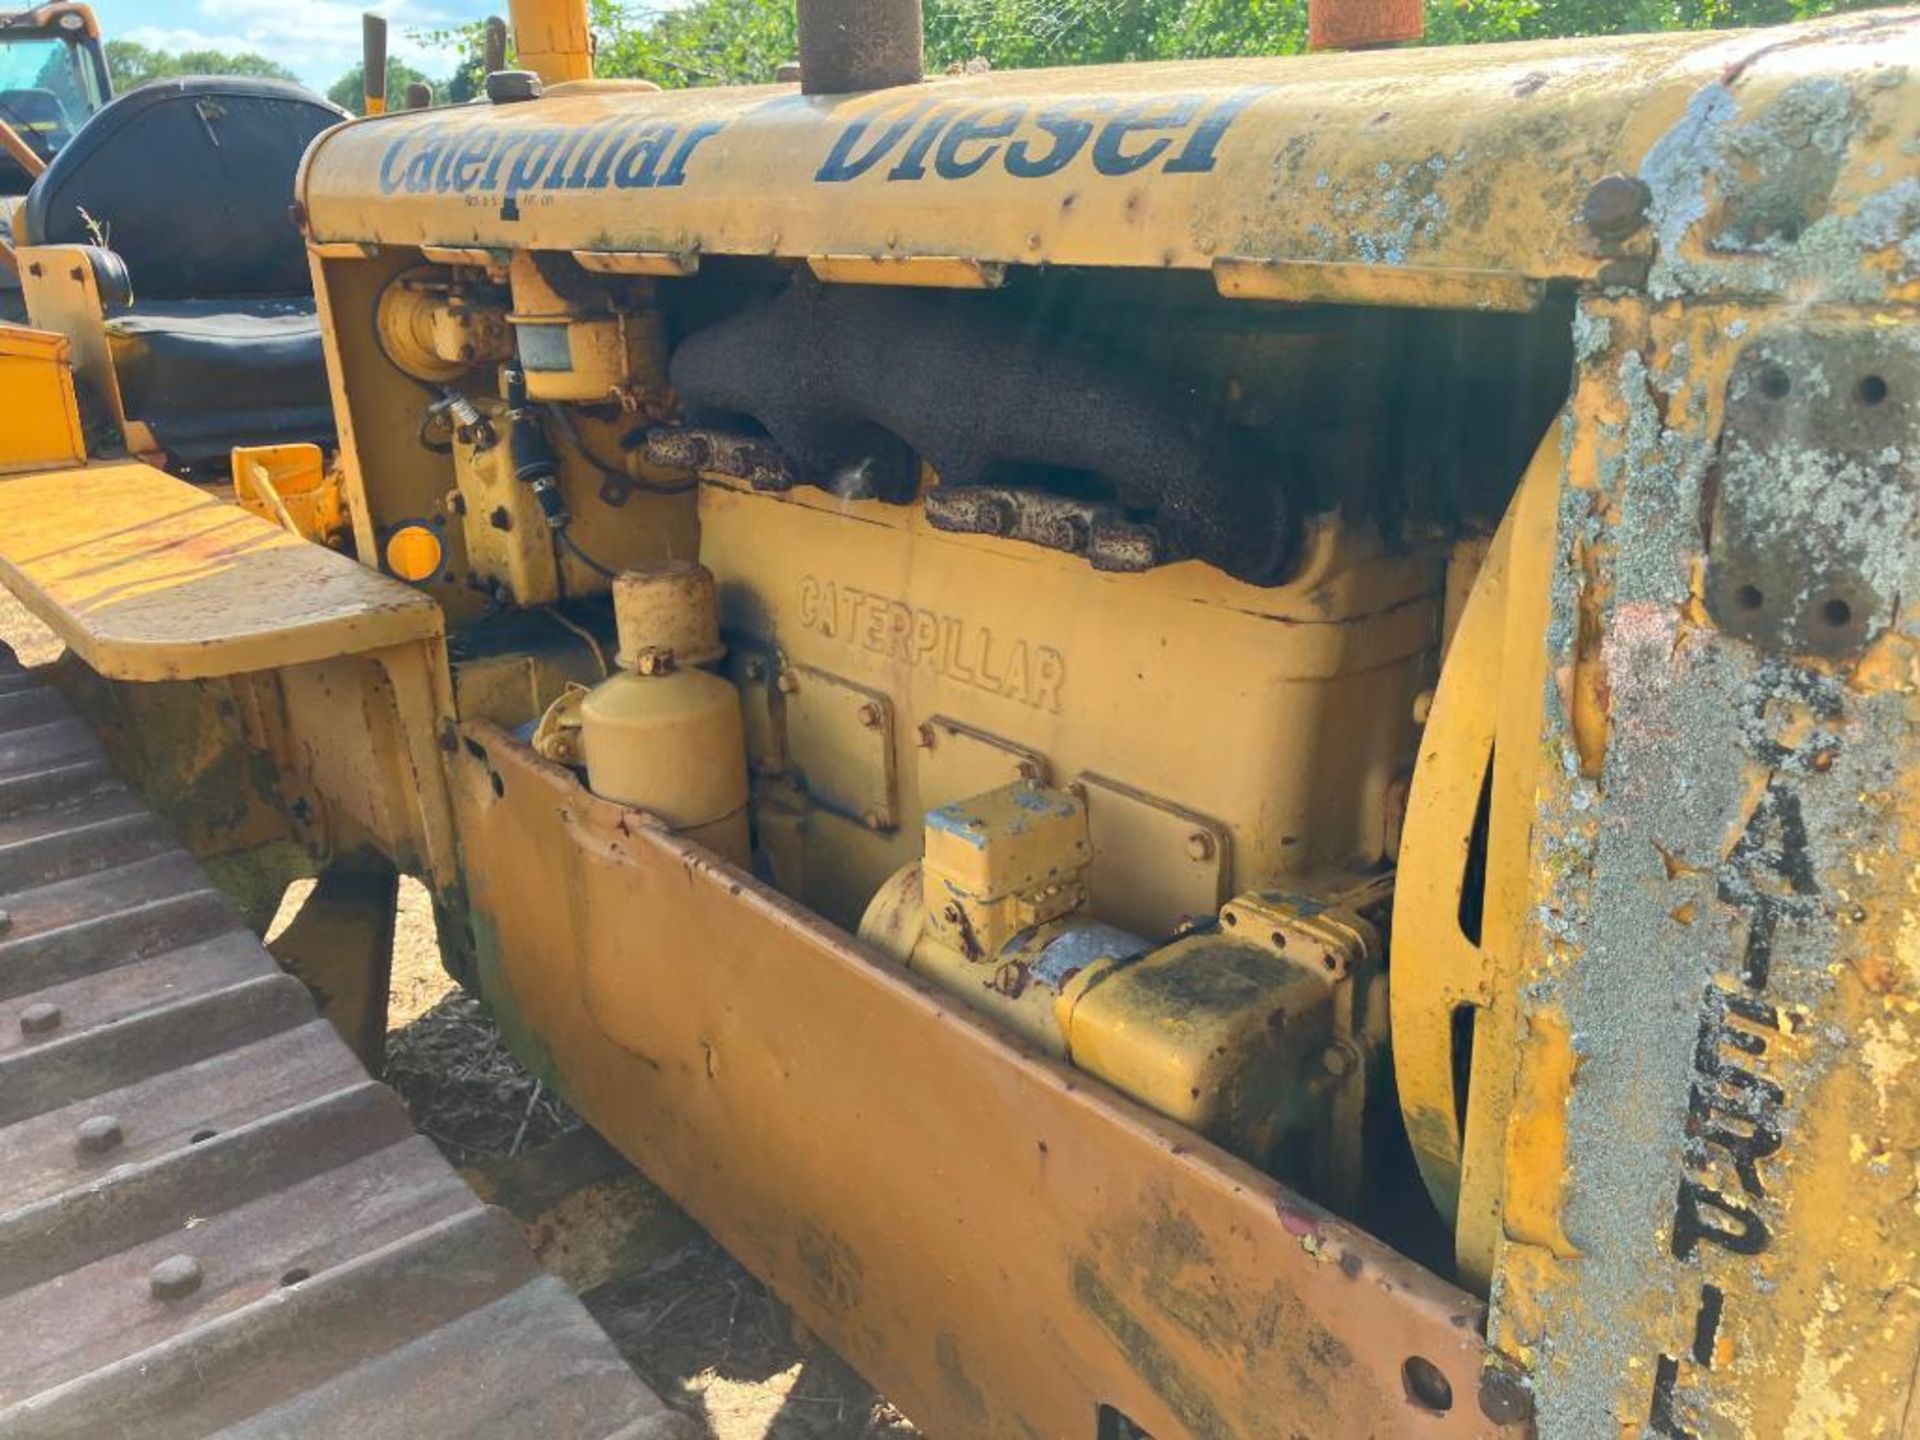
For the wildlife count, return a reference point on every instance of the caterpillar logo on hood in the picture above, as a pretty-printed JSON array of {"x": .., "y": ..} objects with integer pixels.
[{"x": 622, "y": 154}]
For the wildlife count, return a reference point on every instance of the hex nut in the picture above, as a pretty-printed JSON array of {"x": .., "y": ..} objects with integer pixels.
[
  {"x": 174, "y": 1278},
  {"x": 40, "y": 1018},
  {"x": 98, "y": 1134}
]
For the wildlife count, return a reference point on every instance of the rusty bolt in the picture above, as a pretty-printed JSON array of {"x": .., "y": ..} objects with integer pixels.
[
  {"x": 174, "y": 1278},
  {"x": 1337, "y": 1060},
  {"x": 923, "y": 736},
  {"x": 1199, "y": 846},
  {"x": 98, "y": 1134},
  {"x": 39, "y": 1018},
  {"x": 1504, "y": 1397},
  {"x": 1616, "y": 206},
  {"x": 951, "y": 914},
  {"x": 788, "y": 682},
  {"x": 869, "y": 714}
]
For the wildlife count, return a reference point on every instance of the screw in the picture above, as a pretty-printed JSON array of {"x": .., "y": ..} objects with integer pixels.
[
  {"x": 98, "y": 1134},
  {"x": 788, "y": 682},
  {"x": 174, "y": 1278},
  {"x": 869, "y": 714},
  {"x": 1199, "y": 846},
  {"x": 38, "y": 1019},
  {"x": 1616, "y": 206},
  {"x": 1336, "y": 1060},
  {"x": 923, "y": 736}
]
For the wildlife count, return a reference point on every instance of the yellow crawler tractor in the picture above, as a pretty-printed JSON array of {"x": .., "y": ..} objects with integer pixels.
[{"x": 1221, "y": 749}]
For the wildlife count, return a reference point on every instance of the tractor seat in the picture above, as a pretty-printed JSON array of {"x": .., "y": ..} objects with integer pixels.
[
  {"x": 189, "y": 183},
  {"x": 203, "y": 374}
]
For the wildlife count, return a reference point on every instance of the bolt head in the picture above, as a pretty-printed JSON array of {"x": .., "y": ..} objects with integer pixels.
[
  {"x": 174, "y": 1278},
  {"x": 755, "y": 670},
  {"x": 98, "y": 1134},
  {"x": 1616, "y": 206},
  {"x": 1504, "y": 1397},
  {"x": 951, "y": 914},
  {"x": 875, "y": 819},
  {"x": 39, "y": 1018},
  {"x": 1337, "y": 1060},
  {"x": 1199, "y": 846},
  {"x": 923, "y": 736},
  {"x": 788, "y": 682},
  {"x": 869, "y": 715}
]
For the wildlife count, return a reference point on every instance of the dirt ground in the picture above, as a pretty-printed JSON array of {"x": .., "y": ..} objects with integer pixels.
[{"x": 699, "y": 1329}]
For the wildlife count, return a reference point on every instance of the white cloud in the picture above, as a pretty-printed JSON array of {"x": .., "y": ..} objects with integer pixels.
[{"x": 319, "y": 40}]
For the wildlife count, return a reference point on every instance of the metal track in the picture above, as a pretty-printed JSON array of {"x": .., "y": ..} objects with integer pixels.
[{"x": 211, "y": 1220}]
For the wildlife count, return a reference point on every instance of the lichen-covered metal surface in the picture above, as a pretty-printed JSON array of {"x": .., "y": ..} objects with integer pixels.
[
  {"x": 1718, "y": 1232},
  {"x": 211, "y": 1219}
]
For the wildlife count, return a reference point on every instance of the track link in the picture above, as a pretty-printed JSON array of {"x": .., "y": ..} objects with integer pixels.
[{"x": 212, "y": 1221}]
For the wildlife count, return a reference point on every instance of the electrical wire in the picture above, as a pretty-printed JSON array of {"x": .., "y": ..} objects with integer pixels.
[
  {"x": 619, "y": 474},
  {"x": 592, "y": 642},
  {"x": 573, "y": 548}
]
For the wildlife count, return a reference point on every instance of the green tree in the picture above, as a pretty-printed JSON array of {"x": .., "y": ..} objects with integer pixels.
[
  {"x": 348, "y": 92},
  {"x": 731, "y": 42},
  {"x": 130, "y": 64}
]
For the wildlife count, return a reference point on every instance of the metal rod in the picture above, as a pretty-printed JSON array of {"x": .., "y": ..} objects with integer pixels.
[{"x": 24, "y": 155}]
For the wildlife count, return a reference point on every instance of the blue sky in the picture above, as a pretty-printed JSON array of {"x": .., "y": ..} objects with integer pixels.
[{"x": 318, "y": 40}]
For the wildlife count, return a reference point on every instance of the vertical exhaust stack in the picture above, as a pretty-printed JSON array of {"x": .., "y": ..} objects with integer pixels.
[
  {"x": 1363, "y": 24},
  {"x": 551, "y": 39},
  {"x": 850, "y": 45},
  {"x": 373, "y": 63}
]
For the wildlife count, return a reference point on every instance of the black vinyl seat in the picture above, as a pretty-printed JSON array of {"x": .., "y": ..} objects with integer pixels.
[
  {"x": 190, "y": 183},
  {"x": 204, "y": 374}
]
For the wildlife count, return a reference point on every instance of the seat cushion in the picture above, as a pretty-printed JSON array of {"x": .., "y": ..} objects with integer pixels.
[{"x": 206, "y": 375}]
